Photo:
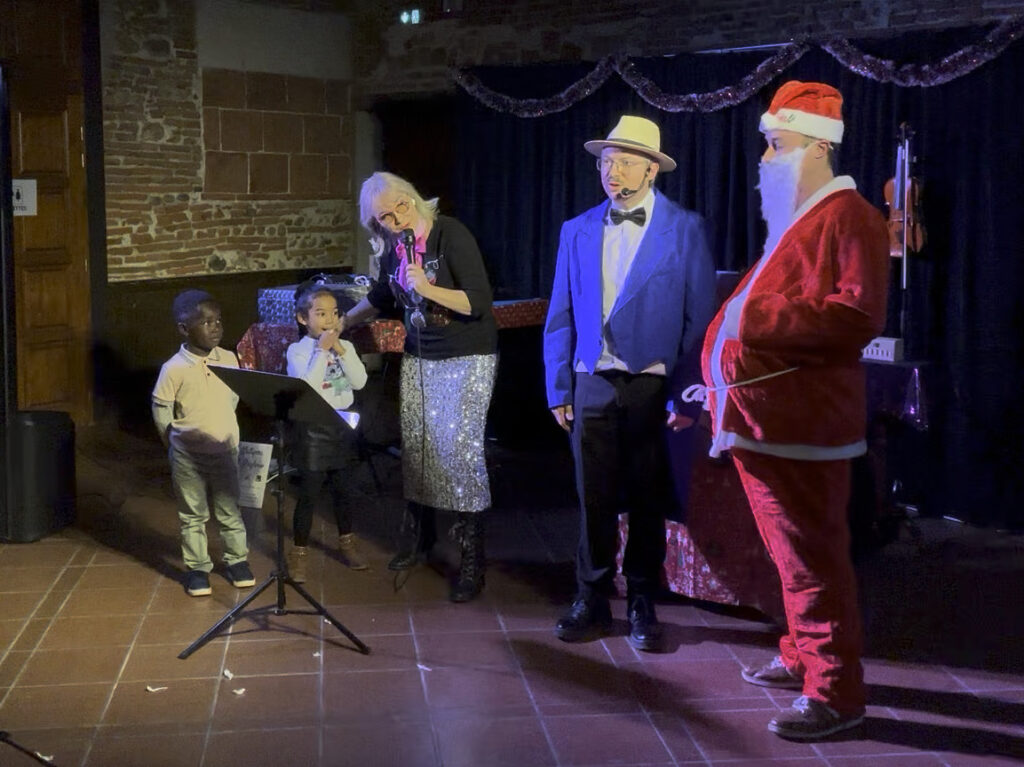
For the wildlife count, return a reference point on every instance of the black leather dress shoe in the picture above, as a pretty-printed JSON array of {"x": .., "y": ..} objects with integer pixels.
[
  {"x": 645, "y": 632},
  {"x": 586, "y": 619}
]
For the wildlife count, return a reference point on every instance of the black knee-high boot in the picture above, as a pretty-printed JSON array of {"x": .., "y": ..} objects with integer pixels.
[
  {"x": 419, "y": 531},
  {"x": 470, "y": 535}
]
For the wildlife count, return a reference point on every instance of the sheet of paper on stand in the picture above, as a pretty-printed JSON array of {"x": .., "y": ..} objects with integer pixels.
[{"x": 253, "y": 472}]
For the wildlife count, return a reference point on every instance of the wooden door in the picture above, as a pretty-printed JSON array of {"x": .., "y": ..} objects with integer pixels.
[{"x": 51, "y": 248}]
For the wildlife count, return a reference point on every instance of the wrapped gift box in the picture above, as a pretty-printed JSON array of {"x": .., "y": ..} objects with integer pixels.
[{"x": 277, "y": 305}]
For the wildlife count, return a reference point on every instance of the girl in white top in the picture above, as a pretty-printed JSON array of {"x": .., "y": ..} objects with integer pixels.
[{"x": 332, "y": 367}]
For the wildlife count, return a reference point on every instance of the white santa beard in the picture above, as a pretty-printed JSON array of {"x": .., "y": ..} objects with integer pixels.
[{"x": 778, "y": 179}]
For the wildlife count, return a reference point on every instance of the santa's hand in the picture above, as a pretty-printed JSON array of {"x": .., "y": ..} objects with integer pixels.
[{"x": 678, "y": 422}]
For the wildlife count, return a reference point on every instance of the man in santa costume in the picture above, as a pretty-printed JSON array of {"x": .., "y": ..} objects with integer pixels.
[{"x": 787, "y": 396}]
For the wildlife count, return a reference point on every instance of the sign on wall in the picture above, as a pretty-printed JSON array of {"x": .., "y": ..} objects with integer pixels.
[{"x": 23, "y": 196}]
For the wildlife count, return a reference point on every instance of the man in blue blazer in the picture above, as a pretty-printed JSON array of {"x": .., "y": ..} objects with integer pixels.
[{"x": 633, "y": 294}]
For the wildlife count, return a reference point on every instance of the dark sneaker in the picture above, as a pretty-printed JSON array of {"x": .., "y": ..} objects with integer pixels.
[
  {"x": 810, "y": 719},
  {"x": 197, "y": 584},
  {"x": 774, "y": 674},
  {"x": 645, "y": 631},
  {"x": 586, "y": 619},
  {"x": 240, "y": 575}
]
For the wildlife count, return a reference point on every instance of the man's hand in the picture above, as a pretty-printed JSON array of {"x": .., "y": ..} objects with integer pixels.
[
  {"x": 563, "y": 414},
  {"x": 678, "y": 422}
]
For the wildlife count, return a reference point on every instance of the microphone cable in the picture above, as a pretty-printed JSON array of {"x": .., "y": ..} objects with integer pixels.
[{"x": 418, "y": 321}]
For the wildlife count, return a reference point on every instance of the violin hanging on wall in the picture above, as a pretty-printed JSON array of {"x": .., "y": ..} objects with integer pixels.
[{"x": 903, "y": 196}]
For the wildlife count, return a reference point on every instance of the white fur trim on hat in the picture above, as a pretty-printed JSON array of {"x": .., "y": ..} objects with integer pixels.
[
  {"x": 635, "y": 134},
  {"x": 815, "y": 126}
]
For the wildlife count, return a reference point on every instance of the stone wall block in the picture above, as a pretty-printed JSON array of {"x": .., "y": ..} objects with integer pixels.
[
  {"x": 266, "y": 91},
  {"x": 227, "y": 172},
  {"x": 268, "y": 174},
  {"x": 211, "y": 128},
  {"x": 241, "y": 130},
  {"x": 321, "y": 134},
  {"x": 308, "y": 174},
  {"x": 339, "y": 176},
  {"x": 338, "y": 95},
  {"x": 306, "y": 94},
  {"x": 282, "y": 132},
  {"x": 223, "y": 88}
]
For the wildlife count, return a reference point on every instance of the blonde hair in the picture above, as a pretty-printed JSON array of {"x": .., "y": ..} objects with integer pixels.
[{"x": 381, "y": 183}]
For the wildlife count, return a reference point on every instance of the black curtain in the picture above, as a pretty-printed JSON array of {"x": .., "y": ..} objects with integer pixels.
[{"x": 516, "y": 179}]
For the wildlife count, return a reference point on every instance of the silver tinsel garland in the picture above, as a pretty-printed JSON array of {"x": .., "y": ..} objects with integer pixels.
[{"x": 948, "y": 68}]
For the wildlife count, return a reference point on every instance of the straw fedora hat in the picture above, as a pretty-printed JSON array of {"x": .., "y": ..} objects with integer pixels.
[{"x": 637, "y": 134}]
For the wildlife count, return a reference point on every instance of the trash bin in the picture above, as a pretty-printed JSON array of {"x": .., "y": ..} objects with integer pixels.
[{"x": 41, "y": 475}]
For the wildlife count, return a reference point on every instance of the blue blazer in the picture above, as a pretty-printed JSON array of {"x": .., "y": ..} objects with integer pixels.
[{"x": 661, "y": 312}]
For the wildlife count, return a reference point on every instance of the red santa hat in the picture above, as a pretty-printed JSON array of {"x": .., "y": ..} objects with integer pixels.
[{"x": 813, "y": 109}]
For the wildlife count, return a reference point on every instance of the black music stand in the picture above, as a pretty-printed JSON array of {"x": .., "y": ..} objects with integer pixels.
[{"x": 284, "y": 399}]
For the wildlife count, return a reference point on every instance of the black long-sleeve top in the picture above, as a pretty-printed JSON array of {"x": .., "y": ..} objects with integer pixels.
[{"x": 453, "y": 256}]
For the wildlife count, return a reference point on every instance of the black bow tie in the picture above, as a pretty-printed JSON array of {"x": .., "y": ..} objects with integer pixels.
[{"x": 638, "y": 216}]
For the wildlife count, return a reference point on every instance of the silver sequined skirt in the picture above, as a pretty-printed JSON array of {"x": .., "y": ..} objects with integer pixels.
[{"x": 443, "y": 446}]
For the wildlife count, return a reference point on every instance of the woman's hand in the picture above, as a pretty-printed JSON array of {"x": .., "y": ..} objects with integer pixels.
[{"x": 418, "y": 279}]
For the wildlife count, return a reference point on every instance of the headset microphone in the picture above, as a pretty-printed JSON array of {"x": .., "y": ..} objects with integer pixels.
[{"x": 623, "y": 193}]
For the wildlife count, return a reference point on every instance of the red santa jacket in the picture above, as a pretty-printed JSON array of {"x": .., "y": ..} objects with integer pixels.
[{"x": 819, "y": 299}]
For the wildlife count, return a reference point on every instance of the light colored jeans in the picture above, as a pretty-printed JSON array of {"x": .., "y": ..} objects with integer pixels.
[{"x": 203, "y": 480}]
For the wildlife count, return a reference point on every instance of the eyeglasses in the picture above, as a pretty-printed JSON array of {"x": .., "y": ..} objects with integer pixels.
[
  {"x": 627, "y": 164},
  {"x": 401, "y": 208}
]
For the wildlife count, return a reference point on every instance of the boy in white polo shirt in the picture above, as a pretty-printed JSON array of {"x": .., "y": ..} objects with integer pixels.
[{"x": 194, "y": 412}]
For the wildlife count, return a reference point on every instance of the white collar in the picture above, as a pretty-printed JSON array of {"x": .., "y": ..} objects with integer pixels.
[
  {"x": 837, "y": 184},
  {"x": 195, "y": 359}
]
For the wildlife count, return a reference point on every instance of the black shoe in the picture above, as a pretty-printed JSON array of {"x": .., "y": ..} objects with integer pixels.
[
  {"x": 586, "y": 620},
  {"x": 197, "y": 583},
  {"x": 645, "y": 632},
  {"x": 405, "y": 560},
  {"x": 419, "y": 529},
  {"x": 240, "y": 575}
]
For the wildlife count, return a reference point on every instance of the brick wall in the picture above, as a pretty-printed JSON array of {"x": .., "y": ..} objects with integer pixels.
[
  {"x": 394, "y": 58},
  {"x": 205, "y": 171},
  {"x": 217, "y": 171}
]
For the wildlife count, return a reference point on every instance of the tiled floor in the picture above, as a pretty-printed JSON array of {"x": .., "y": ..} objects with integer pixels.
[{"x": 92, "y": 620}]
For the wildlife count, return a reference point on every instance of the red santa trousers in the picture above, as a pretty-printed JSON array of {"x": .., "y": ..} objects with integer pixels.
[{"x": 801, "y": 511}]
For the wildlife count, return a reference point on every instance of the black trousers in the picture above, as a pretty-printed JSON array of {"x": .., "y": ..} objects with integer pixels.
[
  {"x": 619, "y": 452},
  {"x": 310, "y": 488}
]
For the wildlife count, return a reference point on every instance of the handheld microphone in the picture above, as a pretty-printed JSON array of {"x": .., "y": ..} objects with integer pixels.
[{"x": 409, "y": 242}]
